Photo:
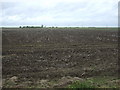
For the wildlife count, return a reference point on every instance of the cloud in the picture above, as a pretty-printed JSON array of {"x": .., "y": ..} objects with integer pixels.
[{"x": 60, "y": 12}]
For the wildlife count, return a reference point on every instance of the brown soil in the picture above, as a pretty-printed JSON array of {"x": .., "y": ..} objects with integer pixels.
[{"x": 36, "y": 54}]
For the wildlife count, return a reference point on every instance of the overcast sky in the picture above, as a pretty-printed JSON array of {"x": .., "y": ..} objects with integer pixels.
[{"x": 59, "y": 12}]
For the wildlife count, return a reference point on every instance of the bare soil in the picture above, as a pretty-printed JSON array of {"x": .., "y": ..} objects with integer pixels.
[{"x": 33, "y": 54}]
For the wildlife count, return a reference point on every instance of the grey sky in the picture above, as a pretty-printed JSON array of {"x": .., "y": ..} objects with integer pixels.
[{"x": 60, "y": 12}]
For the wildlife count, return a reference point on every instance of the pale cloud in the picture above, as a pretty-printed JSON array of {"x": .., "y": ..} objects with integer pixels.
[{"x": 60, "y": 12}]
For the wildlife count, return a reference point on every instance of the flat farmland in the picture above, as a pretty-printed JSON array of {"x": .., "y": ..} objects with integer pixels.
[{"x": 30, "y": 55}]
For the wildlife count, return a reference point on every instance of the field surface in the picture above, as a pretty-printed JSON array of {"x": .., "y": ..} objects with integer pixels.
[{"x": 47, "y": 57}]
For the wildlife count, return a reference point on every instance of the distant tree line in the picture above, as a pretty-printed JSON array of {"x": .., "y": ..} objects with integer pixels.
[
  {"x": 42, "y": 26},
  {"x": 32, "y": 26}
]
